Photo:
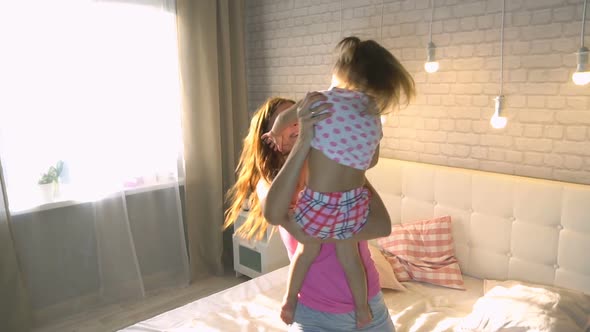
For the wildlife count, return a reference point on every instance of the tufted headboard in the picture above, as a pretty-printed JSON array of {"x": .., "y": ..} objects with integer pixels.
[{"x": 504, "y": 227}]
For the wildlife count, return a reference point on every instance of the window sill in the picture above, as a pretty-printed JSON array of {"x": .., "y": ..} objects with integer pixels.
[{"x": 65, "y": 201}]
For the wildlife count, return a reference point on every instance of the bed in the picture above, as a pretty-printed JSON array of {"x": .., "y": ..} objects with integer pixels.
[{"x": 522, "y": 245}]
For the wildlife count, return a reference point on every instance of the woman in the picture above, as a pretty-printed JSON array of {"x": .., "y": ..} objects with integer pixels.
[{"x": 327, "y": 303}]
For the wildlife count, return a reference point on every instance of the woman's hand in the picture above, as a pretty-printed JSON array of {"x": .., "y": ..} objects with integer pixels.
[{"x": 310, "y": 111}]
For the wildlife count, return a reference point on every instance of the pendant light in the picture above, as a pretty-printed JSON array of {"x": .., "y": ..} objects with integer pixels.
[
  {"x": 431, "y": 65},
  {"x": 582, "y": 74},
  {"x": 498, "y": 121}
]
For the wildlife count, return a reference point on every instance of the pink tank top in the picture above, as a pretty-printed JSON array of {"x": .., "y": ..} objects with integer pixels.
[
  {"x": 351, "y": 135},
  {"x": 325, "y": 287}
]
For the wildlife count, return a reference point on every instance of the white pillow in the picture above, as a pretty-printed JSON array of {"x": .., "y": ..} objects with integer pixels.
[{"x": 519, "y": 306}]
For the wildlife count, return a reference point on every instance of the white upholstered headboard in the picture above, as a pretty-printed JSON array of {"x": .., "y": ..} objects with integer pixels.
[{"x": 504, "y": 227}]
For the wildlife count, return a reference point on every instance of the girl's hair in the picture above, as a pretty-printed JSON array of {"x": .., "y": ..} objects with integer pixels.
[
  {"x": 257, "y": 161},
  {"x": 369, "y": 67}
]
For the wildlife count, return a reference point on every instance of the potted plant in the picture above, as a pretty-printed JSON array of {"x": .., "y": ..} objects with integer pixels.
[{"x": 49, "y": 182}]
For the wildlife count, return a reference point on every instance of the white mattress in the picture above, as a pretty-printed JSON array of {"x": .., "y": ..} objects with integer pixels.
[{"x": 254, "y": 306}]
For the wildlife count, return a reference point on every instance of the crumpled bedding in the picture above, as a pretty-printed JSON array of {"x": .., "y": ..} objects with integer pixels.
[
  {"x": 254, "y": 306},
  {"x": 431, "y": 308}
]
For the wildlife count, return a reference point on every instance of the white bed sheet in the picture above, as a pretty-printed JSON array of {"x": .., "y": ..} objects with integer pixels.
[
  {"x": 425, "y": 307},
  {"x": 254, "y": 306}
]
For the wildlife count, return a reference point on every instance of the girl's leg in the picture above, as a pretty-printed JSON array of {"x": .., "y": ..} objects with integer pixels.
[
  {"x": 304, "y": 256},
  {"x": 350, "y": 259}
]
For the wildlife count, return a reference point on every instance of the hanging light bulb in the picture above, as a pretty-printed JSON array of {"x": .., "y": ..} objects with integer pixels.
[
  {"x": 431, "y": 65},
  {"x": 497, "y": 121},
  {"x": 582, "y": 74}
]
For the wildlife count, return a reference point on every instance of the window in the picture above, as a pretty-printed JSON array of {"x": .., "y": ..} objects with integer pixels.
[{"x": 94, "y": 84}]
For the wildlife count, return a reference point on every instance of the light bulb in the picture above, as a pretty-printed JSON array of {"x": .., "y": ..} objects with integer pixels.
[
  {"x": 581, "y": 78},
  {"x": 383, "y": 119},
  {"x": 497, "y": 121},
  {"x": 431, "y": 67},
  {"x": 582, "y": 75}
]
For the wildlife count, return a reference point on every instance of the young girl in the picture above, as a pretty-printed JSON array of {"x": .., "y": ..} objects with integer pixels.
[{"x": 367, "y": 81}]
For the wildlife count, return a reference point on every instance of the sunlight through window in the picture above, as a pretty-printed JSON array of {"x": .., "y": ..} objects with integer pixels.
[{"x": 94, "y": 84}]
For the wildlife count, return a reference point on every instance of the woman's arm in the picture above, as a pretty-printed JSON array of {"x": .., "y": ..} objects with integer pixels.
[
  {"x": 378, "y": 222},
  {"x": 375, "y": 159},
  {"x": 278, "y": 200},
  {"x": 276, "y": 207}
]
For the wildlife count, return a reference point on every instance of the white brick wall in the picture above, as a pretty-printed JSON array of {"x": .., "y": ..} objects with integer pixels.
[{"x": 289, "y": 52}]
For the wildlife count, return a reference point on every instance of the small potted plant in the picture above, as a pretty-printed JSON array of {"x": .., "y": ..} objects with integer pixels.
[{"x": 49, "y": 182}]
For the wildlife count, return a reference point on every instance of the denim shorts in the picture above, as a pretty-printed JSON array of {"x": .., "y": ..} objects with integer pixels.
[{"x": 309, "y": 320}]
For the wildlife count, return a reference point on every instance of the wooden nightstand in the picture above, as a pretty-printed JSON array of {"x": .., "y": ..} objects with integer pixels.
[{"x": 256, "y": 257}]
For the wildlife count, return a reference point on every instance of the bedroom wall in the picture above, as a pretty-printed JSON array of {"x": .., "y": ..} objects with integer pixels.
[{"x": 289, "y": 44}]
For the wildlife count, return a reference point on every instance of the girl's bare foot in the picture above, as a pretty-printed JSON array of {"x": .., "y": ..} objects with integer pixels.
[
  {"x": 288, "y": 312},
  {"x": 363, "y": 317}
]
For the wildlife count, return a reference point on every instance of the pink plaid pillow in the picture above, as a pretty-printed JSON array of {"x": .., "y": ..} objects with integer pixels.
[{"x": 424, "y": 251}]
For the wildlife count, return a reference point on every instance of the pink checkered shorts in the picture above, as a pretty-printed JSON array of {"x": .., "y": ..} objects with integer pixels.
[{"x": 335, "y": 215}]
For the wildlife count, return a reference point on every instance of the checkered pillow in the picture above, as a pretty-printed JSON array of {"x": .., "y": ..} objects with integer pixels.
[{"x": 424, "y": 251}]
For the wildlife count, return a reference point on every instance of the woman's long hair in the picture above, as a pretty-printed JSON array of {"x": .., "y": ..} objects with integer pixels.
[{"x": 257, "y": 161}]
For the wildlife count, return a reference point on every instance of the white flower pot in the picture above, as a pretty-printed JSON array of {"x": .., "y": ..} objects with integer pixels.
[{"x": 49, "y": 192}]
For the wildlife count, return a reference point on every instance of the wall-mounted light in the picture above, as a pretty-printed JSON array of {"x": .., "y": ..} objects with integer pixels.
[
  {"x": 582, "y": 74},
  {"x": 431, "y": 65},
  {"x": 498, "y": 121}
]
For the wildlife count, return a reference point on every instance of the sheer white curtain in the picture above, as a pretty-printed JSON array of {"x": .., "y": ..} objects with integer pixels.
[{"x": 92, "y": 86}]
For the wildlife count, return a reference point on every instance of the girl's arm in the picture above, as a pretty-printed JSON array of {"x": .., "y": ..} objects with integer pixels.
[
  {"x": 273, "y": 138},
  {"x": 285, "y": 119}
]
